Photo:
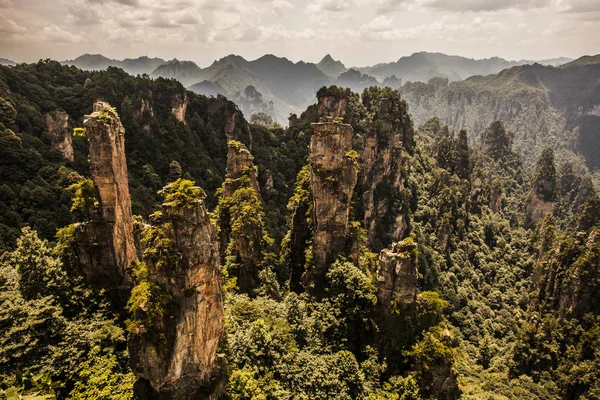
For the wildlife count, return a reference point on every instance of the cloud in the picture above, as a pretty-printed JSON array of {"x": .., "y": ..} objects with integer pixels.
[
  {"x": 379, "y": 24},
  {"x": 189, "y": 17},
  {"x": 131, "y": 3},
  {"x": 55, "y": 34},
  {"x": 280, "y": 32},
  {"x": 485, "y": 5},
  {"x": 318, "y": 6},
  {"x": 5, "y": 3},
  {"x": 11, "y": 27},
  {"x": 279, "y": 7},
  {"x": 579, "y": 6},
  {"x": 385, "y": 6},
  {"x": 475, "y": 30}
]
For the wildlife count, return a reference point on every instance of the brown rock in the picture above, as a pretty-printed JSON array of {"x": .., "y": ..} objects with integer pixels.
[
  {"x": 179, "y": 108},
  {"x": 226, "y": 117},
  {"x": 536, "y": 209},
  {"x": 384, "y": 170},
  {"x": 58, "y": 127},
  {"x": 177, "y": 358},
  {"x": 239, "y": 163},
  {"x": 332, "y": 106},
  {"x": 107, "y": 246},
  {"x": 333, "y": 177},
  {"x": 397, "y": 276},
  {"x": 247, "y": 239}
]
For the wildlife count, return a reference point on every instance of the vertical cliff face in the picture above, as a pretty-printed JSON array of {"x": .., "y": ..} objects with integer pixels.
[
  {"x": 334, "y": 174},
  {"x": 179, "y": 107},
  {"x": 388, "y": 140},
  {"x": 332, "y": 106},
  {"x": 58, "y": 127},
  {"x": 225, "y": 116},
  {"x": 173, "y": 352},
  {"x": 107, "y": 246},
  {"x": 241, "y": 218},
  {"x": 567, "y": 274},
  {"x": 544, "y": 189},
  {"x": 240, "y": 163},
  {"x": 397, "y": 276}
]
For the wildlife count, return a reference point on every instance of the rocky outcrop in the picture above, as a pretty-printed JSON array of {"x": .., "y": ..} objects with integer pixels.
[
  {"x": 536, "y": 209},
  {"x": 106, "y": 245},
  {"x": 567, "y": 272},
  {"x": 388, "y": 139},
  {"x": 240, "y": 164},
  {"x": 145, "y": 108},
  {"x": 175, "y": 357},
  {"x": 397, "y": 277},
  {"x": 332, "y": 106},
  {"x": 226, "y": 117},
  {"x": 241, "y": 218},
  {"x": 334, "y": 174},
  {"x": 179, "y": 107},
  {"x": 60, "y": 136}
]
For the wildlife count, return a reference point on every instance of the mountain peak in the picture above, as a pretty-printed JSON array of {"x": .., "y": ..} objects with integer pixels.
[{"x": 331, "y": 67}]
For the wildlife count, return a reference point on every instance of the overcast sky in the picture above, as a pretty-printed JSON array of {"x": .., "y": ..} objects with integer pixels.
[{"x": 357, "y": 32}]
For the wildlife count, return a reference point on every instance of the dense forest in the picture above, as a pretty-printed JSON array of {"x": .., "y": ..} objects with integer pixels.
[{"x": 154, "y": 244}]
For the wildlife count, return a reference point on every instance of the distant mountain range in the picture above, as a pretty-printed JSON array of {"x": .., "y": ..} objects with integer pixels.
[
  {"x": 281, "y": 87},
  {"x": 4, "y": 61},
  {"x": 133, "y": 66}
]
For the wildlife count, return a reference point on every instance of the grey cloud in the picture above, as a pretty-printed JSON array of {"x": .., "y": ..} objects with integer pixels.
[
  {"x": 132, "y": 3},
  {"x": 485, "y": 5},
  {"x": 189, "y": 18},
  {"x": 330, "y": 5},
  {"x": 580, "y": 6}
]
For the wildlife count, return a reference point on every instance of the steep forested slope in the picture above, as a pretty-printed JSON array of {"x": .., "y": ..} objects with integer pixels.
[{"x": 542, "y": 106}]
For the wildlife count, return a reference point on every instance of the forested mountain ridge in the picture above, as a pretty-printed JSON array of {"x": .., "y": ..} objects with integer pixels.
[
  {"x": 133, "y": 66},
  {"x": 542, "y": 105},
  {"x": 288, "y": 87},
  {"x": 354, "y": 254}
]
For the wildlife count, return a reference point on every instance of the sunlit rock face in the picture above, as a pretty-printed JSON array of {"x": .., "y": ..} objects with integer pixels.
[
  {"x": 106, "y": 244},
  {"x": 176, "y": 357},
  {"x": 397, "y": 276},
  {"x": 179, "y": 108}
]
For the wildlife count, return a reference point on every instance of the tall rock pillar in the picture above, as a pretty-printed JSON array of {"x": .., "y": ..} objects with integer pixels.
[
  {"x": 107, "y": 247},
  {"x": 173, "y": 352},
  {"x": 334, "y": 173}
]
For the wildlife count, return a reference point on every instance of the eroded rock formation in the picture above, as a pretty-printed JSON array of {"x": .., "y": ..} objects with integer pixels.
[
  {"x": 397, "y": 276},
  {"x": 240, "y": 163},
  {"x": 225, "y": 116},
  {"x": 332, "y": 106},
  {"x": 384, "y": 170},
  {"x": 179, "y": 107},
  {"x": 58, "y": 127},
  {"x": 240, "y": 214},
  {"x": 106, "y": 244},
  {"x": 175, "y": 357},
  {"x": 334, "y": 174}
]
